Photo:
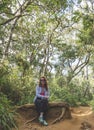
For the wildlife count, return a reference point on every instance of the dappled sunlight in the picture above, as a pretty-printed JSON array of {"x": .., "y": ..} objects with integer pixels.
[{"x": 82, "y": 112}]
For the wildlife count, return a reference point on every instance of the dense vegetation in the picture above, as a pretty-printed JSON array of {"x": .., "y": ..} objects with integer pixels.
[{"x": 54, "y": 38}]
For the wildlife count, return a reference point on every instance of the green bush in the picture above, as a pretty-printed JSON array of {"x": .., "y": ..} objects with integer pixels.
[
  {"x": 63, "y": 94},
  {"x": 84, "y": 102},
  {"x": 7, "y": 113},
  {"x": 72, "y": 94}
]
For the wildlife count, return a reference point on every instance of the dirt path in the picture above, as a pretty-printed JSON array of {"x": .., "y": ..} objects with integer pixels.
[{"x": 82, "y": 119}]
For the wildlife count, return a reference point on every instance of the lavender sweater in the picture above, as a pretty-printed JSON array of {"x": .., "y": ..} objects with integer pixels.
[{"x": 39, "y": 90}]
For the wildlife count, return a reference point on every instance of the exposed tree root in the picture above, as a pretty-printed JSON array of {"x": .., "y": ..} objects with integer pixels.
[
  {"x": 60, "y": 117},
  {"x": 30, "y": 120},
  {"x": 56, "y": 112}
]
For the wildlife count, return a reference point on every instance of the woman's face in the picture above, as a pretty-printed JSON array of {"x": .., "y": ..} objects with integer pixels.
[{"x": 42, "y": 81}]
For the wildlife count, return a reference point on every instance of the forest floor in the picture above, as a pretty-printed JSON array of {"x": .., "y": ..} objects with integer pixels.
[{"x": 82, "y": 119}]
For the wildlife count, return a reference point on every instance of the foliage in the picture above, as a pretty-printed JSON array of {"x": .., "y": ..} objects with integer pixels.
[
  {"x": 46, "y": 37},
  {"x": 91, "y": 103},
  {"x": 7, "y": 113},
  {"x": 61, "y": 93},
  {"x": 74, "y": 94},
  {"x": 6, "y": 86},
  {"x": 17, "y": 87}
]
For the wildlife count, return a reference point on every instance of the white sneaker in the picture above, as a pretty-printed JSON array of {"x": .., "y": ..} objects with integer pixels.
[
  {"x": 41, "y": 119},
  {"x": 45, "y": 123}
]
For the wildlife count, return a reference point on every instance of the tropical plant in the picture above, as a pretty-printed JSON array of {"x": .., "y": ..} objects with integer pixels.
[{"x": 7, "y": 114}]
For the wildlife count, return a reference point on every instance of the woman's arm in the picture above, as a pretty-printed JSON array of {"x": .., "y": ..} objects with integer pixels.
[{"x": 38, "y": 91}]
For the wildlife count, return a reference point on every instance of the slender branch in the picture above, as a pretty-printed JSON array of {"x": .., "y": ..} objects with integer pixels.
[
  {"x": 10, "y": 37},
  {"x": 82, "y": 65},
  {"x": 13, "y": 27},
  {"x": 21, "y": 9},
  {"x": 9, "y": 20},
  {"x": 78, "y": 68},
  {"x": 69, "y": 65}
]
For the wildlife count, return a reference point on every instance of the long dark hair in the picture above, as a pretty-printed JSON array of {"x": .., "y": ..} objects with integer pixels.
[{"x": 40, "y": 85}]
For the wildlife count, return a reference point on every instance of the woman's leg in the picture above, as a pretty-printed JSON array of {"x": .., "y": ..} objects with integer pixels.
[
  {"x": 39, "y": 109},
  {"x": 42, "y": 108}
]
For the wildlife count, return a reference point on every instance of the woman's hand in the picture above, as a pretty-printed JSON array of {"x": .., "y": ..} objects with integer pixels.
[{"x": 47, "y": 97}]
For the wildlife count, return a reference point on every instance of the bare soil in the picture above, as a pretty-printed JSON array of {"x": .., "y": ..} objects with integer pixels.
[{"x": 82, "y": 119}]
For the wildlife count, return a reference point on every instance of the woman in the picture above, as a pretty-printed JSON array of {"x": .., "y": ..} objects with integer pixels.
[{"x": 41, "y": 99}]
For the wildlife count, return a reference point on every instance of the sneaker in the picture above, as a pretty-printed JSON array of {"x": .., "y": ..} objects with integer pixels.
[
  {"x": 45, "y": 123},
  {"x": 41, "y": 119}
]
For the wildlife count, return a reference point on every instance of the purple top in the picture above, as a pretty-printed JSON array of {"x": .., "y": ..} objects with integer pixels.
[{"x": 40, "y": 90}]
